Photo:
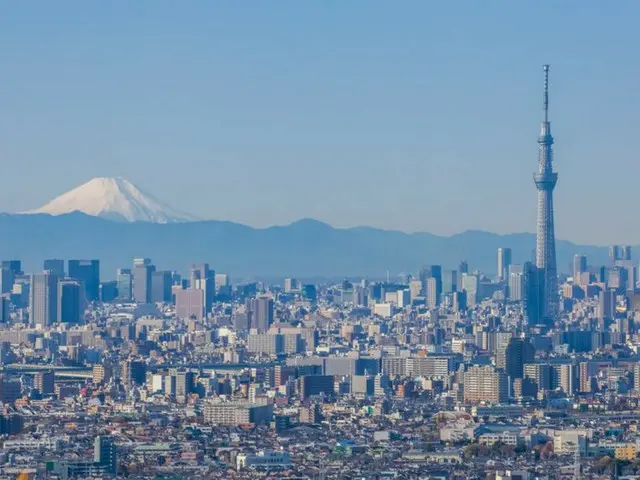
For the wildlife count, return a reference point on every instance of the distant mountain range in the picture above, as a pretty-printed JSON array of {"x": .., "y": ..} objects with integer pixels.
[{"x": 306, "y": 248}]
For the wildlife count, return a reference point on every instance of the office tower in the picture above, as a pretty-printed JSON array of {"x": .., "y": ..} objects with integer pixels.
[
  {"x": 14, "y": 266},
  {"x": 545, "y": 180},
  {"x": 45, "y": 382},
  {"x": 459, "y": 301},
  {"x": 5, "y": 313},
  {"x": 607, "y": 305},
  {"x": 108, "y": 291},
  {"x": 463, "y": 267},
  {"x": 533, "y": 299},
  {"x": 161, "y": 286},
  {"x": 185, "y": 382},
  {"x": 485, "y": 384},
  {"x": 190, "y": 303},
  {"x": 433, "y": 300},
  {"x": 504, "y": 261},
  {"x": 614, "y": 254},
  {"x": 203, "y": 279},
  {"x": 69, "y": 301},
  {"x": 43, "y": 299},
  {"x": 87, "y": 272},
  {"x": 142, "y": 270},
  {"x": 134, "y": 372},
  {"x": 105, "y": 454},
  {"x": 260, "y": 313},
  {"x": 55, "y": 266},
  {"x": 124, "y": 278},
  {"x": 518, "y": 352},
  {"x": 221, "y": 282},
  {"x": 516, "y": 287},
  {"x": 291, "y": 285},
  {"x": 579, "y": 266},
  {"x": 435, "y": 272},
  {"x": 7, "y": 279},
  {"x": 470, "y": 285},
  {"x": 449, "y": 281}
]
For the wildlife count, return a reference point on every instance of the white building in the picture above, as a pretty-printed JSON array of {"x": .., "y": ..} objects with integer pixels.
[{"x": 263, "y": 459}]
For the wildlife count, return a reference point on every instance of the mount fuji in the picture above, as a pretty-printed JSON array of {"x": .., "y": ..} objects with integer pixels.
[{"x": 114, "y": 199}]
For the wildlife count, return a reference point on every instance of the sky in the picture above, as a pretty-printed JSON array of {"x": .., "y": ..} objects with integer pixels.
[{"x": 411, "y": 115}]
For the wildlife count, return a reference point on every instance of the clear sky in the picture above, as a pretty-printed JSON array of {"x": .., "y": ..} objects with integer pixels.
[{"x": 411, "y": 115}]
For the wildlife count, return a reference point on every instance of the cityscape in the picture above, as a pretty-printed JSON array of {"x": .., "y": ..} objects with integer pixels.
[
  {"x": 311, "y": 241},
  {"x": 523, "y": 372}
]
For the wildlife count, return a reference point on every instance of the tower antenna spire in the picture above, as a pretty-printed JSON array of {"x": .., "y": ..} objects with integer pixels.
[{"x": 546, "y": 92}]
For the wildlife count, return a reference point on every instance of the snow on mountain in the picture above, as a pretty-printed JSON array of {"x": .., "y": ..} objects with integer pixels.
[{"x": 114, "y": 199}]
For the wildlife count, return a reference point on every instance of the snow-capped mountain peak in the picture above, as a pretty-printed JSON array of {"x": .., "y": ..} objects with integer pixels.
[{"x": 114, "y": 199}]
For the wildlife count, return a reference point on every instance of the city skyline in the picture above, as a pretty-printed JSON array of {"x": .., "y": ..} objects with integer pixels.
[{"x": 329, "y": 114}]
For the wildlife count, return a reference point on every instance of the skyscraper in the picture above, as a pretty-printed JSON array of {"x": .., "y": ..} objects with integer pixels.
[
  {"x": 43, "y": 299},
  {"x": 260, "y": 313},
  {"x": 161, "y": 286},
  {"x": 203, "y": 279},
  {"x": 579, "y": 266},
  {"x": 504, "y": 261},
  {"x": 142, "y": 270},
  {"x": 87, "y": 272},
  {"x": 545, "y": 180},
  {"x": 533, "y": 290},
  {"x": 124, "y": 279},
  {"x": 69, "y": 301},
  {"x": 55, "y": 266}
]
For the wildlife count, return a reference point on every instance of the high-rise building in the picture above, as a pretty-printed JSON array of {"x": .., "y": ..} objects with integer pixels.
[
  {"x": 291, "y": 285},
  {"x": 533, "y": 293},
  {"x": 161, "y": 286},
  {"x": 519, "y": 351},
  {"x": 485, "y": 384},
  {"x": 470, "y": 284},
  {"x": 45, "y": 382},
  {"x": 142, "y": 270},
  {"x": 124, "y": 278},
  {"x": 433, "y": 300},
  {"x": 504, "y": 261},
  {"x": 69, "y": 301},
  {"x": 5, "y": 312},
  {"x": 134, "y": 372},
  {"x": 435, "y": 272},
  {"x": 203, "y": 278},
  {"x": 579, "y": 266},
  {"x": 545, "y": 180},
  {"x": 14, "y": 266},
  {"x": 87, "y": 272},
  {"x": 310, "y": 385},
  {"x": 190, "y": 303},
  {"x": 564, "y": 377},
  {"x": 540, "y": 373},
  {"x": 260, "y": 313},
  {"x": 7, "y": 279},
  {"x": 105, "y": 454},
  {"x": 449, "y": 281},
  {"x": 55, "y": 266},
  {"x": 607, "y": 305},
  {"x": 516, "y": 287},
  {"x": 43, "y": 299}
]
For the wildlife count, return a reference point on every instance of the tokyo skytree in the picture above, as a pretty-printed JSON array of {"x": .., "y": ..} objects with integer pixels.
[{"x": 545, "y": 179}]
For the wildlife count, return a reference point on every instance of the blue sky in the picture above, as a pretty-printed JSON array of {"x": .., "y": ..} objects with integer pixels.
[{"x": 411, "y": 115}]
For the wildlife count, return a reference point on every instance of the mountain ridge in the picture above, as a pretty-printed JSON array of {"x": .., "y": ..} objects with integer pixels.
[{"x": 299, "y": 249}]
